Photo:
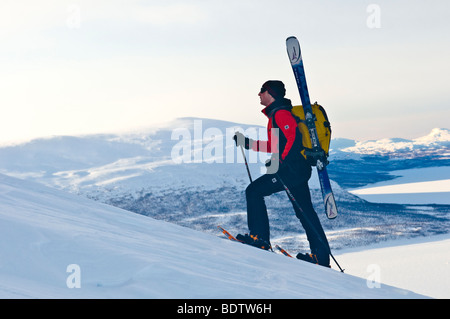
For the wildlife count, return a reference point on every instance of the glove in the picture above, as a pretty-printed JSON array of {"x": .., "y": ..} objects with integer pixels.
[
  {"x": 273, "y": 164},
  {"x": 241, "y": 140}
]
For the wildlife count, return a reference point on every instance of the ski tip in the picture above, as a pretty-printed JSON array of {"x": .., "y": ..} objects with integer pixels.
[
  {"x": 291, "y": 38},
  {"x": 333, "y": 216},
  {"x": 330, "y": 206},
  {"x": 293, "y": 50}
]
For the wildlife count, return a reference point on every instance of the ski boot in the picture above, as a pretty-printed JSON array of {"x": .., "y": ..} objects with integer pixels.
[
  {"x": 253, "y": 240},
  {"x": 315, "y": 259}
]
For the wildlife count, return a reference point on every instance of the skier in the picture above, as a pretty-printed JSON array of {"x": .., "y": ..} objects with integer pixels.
[{"x": 290, "y": 166}]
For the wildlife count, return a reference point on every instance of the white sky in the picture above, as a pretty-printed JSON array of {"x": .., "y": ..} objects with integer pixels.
[{"x": 80, "y": 67}]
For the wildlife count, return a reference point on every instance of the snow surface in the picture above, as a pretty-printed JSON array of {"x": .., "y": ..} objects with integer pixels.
[
  {"x": 420, "y": 264},
  {"x": 51, "y": 240}
]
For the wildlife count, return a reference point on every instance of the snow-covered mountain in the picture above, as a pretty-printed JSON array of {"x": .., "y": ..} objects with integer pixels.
[
  {"x": 188, "y": 151},
  {"x": 189, "y": 172},
  {"x": 436, "y": 144},
  {"x": 59, "y": 245}
]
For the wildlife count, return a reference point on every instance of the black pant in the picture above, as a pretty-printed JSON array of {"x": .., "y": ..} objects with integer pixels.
[{"x": 295, "y": 176}]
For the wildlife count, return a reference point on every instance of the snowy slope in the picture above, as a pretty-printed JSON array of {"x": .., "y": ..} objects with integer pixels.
[
  {"x": 421, "y": 264},
  {"x": 45, "y": 232}
]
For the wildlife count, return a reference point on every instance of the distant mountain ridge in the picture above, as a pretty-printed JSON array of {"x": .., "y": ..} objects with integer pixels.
[
  {"x": 93, "y": 163},
  {"x": 436, "y": 143}
]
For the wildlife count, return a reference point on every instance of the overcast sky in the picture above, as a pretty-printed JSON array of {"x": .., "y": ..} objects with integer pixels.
[{"x": 380, "y": 68}]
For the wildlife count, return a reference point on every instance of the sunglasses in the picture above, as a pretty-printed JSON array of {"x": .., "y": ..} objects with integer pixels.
[{"x": 263, "y": 89}]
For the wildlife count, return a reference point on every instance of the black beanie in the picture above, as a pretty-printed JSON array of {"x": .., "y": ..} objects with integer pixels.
[{"x": 276, "y": 89}]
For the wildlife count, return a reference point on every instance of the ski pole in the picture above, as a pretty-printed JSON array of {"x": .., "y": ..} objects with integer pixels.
[
  {"x": 307, "y": 220},
  {"x": 246, "y": 164}
]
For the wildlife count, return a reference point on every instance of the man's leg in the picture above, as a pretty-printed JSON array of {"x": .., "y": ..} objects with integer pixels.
[
  {"x": 311, "y": 223},
  {"x": 258, "y": 221}
]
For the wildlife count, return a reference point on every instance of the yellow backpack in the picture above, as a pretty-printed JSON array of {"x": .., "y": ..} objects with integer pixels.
[{"x": 323, "y": 128}]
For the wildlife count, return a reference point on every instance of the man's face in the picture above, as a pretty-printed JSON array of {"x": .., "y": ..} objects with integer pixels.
[{"x": 265, "y": 98}]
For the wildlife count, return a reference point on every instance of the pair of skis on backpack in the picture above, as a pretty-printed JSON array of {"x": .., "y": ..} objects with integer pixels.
[
  {"x": 231, "y": 237},
  {"x": 296, "y": 60}
]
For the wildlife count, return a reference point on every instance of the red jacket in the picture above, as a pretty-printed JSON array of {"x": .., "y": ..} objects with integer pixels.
[{"x": 289, "y": 142}]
